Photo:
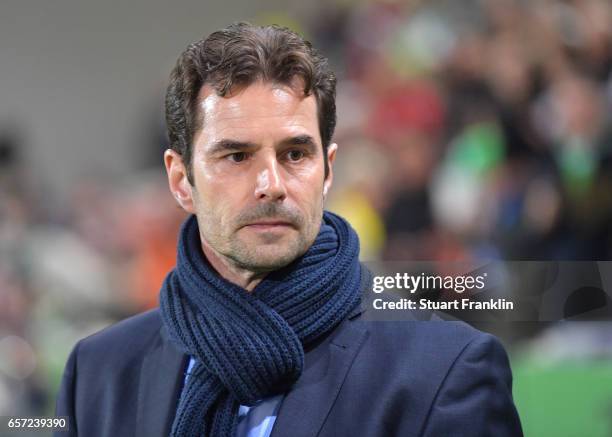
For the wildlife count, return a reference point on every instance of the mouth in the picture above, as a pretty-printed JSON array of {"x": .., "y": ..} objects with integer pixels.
[{"x": 268, "y": 225}]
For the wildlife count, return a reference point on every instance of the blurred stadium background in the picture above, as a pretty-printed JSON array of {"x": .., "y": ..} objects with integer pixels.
[{"x": 468, "y": 130}]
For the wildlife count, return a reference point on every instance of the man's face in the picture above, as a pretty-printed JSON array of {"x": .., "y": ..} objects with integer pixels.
[{"x": 258, "y": 173}]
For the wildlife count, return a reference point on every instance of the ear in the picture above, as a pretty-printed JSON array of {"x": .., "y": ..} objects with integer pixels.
[
  {"x": 179, "y": 185},
  {"x": 331, "y": 156}
]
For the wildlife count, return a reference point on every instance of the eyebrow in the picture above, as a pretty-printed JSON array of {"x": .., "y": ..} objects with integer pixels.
[
  {"x": 228, "y": 145},
  {"x": 301, "y": 140}
]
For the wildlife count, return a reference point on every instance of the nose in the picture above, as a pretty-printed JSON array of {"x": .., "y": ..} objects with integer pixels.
[{"x": 269, "y": 185}]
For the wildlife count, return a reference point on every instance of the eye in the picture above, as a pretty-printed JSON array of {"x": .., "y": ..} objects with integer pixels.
[
  {"x": 237, "y": 157},
  {"x": 295, "y": 155}
]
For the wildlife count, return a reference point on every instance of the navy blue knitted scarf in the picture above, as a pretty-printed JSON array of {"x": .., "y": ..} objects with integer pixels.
[{"x": 248, "y": 346}]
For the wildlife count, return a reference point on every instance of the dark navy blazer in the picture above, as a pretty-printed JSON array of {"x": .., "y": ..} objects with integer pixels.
[{"x": 371, "y": 379}]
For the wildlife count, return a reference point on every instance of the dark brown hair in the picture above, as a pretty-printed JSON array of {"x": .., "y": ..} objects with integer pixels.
[{"x": 239, "y": 55}]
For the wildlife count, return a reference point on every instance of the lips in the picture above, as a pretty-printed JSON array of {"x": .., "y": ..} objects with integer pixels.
[{"x": 269, "y": 224}]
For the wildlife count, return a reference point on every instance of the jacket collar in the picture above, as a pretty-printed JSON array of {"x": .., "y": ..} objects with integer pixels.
[
  {"x": 304, "y": 409},
  {"x": 306, "y": 406},
  {"x": 161, "y": 382}
]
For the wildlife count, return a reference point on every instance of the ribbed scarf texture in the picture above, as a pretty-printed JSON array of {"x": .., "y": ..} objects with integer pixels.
[{"x": 248, "y": 346}]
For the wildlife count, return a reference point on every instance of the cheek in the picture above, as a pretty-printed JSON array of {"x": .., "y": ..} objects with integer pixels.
[
  {"x": 211, "y": 182},
  {"x": 308, "y": 193},
  {"x": 220, "y": 200},
  {"x": 210, "y": 204},
  {"x": 311, "y": 176}
]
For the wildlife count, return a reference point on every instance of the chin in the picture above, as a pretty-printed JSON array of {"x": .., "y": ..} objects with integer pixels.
[
  {"x": 276, "y": 261},
  {"x": 267, "y": 259}
]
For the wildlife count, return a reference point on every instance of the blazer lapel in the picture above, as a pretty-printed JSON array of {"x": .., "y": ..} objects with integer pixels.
[
  {"x": 304, "y": 409},
  {"x": 161, "y": 379}
]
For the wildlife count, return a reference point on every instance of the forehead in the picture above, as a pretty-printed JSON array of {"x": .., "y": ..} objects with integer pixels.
[{"x": 260, "y": 109}]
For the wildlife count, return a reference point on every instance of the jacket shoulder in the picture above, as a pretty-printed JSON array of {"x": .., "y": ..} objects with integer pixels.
[
  {"x": 443, "y": 337},
  {"x": 432, "y": 367},
  {"x": 128, "y": 337},
  {"x": 421, "y": 353}
]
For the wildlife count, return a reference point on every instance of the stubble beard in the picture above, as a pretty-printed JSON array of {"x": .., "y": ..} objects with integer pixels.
[{"x": 225, "y": 239}]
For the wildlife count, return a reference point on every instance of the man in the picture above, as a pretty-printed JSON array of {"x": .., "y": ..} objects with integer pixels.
[{"x": 259, "y": 331}]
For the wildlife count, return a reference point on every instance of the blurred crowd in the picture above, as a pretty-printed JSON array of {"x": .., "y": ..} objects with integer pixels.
[
  {"x": 476, "y": 129},
  {"x": 67, "y": 270},
  {"x": 467, "y": 130}
]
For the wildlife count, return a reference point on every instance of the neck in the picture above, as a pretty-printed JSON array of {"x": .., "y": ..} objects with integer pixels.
[{"x": 228, "y": 270}]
